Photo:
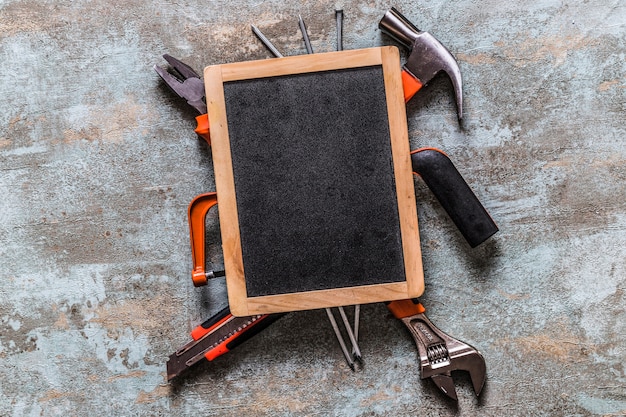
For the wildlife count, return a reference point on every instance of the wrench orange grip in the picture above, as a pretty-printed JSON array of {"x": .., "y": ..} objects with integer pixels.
[
  {"x": 197, "y": 211},
  {"x": 405, "y": 308}
]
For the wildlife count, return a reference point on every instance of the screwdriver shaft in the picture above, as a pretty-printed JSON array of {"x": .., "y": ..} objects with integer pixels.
[
  {"x": 339, "y": 17},
  {"x": 305, "y": 35},
  {"x": 346, "y": 323},
  {"x": 353, "y": 339},
  {"x": 354, "y": 335},
  {"x": 357, "y": 319},
  {"x": 344, "y": 349},
  {"x": 266, "y": 42}
]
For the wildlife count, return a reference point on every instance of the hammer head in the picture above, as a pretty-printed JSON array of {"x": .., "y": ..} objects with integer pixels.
[{"x": 427, "y": 55}]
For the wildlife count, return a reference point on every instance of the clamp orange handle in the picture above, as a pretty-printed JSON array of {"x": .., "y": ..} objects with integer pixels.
[
  {"x": 203, "y": 127},
  {"x": 198, "y": 208}
]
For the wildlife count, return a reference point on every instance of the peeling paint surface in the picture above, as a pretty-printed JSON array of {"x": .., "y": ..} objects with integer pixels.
[{"x": 98, "y": 162}]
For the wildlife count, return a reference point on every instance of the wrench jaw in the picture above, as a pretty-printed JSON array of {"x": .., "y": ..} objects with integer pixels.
[
  {"x": 473, "y": 362},
  {"x": 441, "y": 354}
]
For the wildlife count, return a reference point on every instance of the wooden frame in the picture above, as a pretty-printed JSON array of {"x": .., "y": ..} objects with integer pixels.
[{"x": 240, "y": 303}]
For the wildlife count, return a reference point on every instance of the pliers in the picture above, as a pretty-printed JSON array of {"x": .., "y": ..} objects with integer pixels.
[{"x": 186, "y": 83}]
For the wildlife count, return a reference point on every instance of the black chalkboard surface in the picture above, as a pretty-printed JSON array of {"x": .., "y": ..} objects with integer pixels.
[{"x": 313, "y": 174}]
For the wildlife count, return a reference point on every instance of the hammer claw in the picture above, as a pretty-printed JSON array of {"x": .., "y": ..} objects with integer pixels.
[{"x": 427, "y": 57}]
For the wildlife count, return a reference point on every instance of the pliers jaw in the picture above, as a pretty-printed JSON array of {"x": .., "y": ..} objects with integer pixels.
[{"x": 185, "y": 82}]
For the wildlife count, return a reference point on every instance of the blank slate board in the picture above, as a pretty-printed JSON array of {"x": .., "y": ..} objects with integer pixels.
[{"x": 314, "y": 180}]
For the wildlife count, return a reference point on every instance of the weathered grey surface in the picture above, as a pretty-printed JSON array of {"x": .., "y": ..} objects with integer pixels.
[{"x": 98, "y": 163}]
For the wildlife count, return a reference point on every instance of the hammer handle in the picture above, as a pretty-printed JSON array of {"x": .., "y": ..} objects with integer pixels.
[
  {"x": 455, "y": 196},
  {"x": 410, "y": 85}
]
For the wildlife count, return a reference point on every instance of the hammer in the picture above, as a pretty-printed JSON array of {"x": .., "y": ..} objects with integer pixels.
[{"x": 427, "y": 57}]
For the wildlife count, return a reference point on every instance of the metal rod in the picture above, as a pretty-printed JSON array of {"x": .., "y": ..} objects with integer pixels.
[
  {"x": 344, "y": 349},
  {"x": 266, "y": 42},
  {"x": 355, "y": 346},
  {"x": 346, "y": 323},
  {"x": 339, "y": 17},
  {"x": 354, "y": 335},
  {"x": 305, "y": 35},
  {"x": 356, "y": 352},
  {"x": 357, "y": 319}
]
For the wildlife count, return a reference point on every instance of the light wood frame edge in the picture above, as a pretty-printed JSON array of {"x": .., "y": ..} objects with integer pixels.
[
  {"x": 225, "y": 187},
  {"x": 240, "y": 303},
  {"x": 403, "y": 172}
]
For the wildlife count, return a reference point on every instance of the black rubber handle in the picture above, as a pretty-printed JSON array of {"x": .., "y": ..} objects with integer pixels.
[{"x": 456, "y": 197}]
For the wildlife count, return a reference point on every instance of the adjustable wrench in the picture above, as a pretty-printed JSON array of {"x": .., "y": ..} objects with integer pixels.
[{"x": 439, "y": 353}]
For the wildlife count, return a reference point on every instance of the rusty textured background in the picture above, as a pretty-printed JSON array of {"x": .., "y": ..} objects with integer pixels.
[{"x": 98, "y": 163}]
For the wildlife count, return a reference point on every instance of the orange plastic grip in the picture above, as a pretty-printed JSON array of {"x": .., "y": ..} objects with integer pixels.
[
  {"x": 405, "y": 308},
  {"x": 199, "y": 332},
  {"x": 224, "y": 347},
  {"x": 220, "y": 349},
  {"x": 203, "y": 127},
  {"x": 197, "y": 211},
  {"x": 410, "y": 84}
]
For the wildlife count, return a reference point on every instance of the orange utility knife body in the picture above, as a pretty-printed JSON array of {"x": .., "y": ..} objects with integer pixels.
[{"x": 215, "y": 337}]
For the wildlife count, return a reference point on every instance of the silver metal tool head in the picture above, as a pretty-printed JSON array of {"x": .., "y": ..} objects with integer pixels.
[
  {"x": 428, "y": 56},
  {"x": 305, "y": 35},
  {"x": 266, "y": 42},
  {"x": 440, "y": 354},
  {"x": 185, "y": 82},
  {"x": 458, "y": 357}
]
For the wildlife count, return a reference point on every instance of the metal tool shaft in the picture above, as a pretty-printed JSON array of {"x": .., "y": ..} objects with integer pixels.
[
  {"x": 342, "y": 343},
  {"x": 351, "y": 335},
  {"x": 266, "y": 42},
  {"x": 305, "y": 35},
  {"x": 339, "y": 17}
]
